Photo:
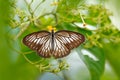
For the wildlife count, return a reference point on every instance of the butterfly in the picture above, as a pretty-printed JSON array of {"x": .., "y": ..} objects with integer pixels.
[{"x": 56, "y": 44}]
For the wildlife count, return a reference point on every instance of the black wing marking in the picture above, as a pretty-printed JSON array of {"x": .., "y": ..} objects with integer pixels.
[
  {"x": 64, "y": 41},
  {"x": 40, "y": 42}
]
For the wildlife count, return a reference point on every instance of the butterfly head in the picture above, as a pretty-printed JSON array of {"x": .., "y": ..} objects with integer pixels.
[{"x": 51, "y": 28}]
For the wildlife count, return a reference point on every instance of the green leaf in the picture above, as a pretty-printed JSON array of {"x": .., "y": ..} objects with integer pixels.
[
  {"x": 71, "y": 27},
  {"x": 66, "y": 26},
  {"x": 10, "y": 68},
  {"x": 112, "y": 52},
  {"x": 95, "y": 67}
]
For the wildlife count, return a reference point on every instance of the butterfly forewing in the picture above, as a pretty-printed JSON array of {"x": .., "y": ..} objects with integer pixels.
[
  {"x": 64, "y": 41},
  {"x": 40, "y": 42}
]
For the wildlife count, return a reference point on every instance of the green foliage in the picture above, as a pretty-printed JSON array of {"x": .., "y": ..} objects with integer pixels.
[
  {"x": 113, "y": 53},
  {"x": 21, "y": 63},
  {"x": 67, "y": 11},
  {"x": 96, "y": 67}
]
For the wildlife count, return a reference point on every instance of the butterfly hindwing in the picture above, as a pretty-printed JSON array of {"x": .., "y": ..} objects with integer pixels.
[
  {"x": 40, "y": 42},
  {"x": 64, "y": 41},
  {"x": 60, "y": 50}
]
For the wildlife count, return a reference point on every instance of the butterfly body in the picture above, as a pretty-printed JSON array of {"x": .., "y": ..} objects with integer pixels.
[{"x": 57, "y": 44}]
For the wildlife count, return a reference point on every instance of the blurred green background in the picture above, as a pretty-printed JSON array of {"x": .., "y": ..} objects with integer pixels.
[{"x": 13, "y": 66}]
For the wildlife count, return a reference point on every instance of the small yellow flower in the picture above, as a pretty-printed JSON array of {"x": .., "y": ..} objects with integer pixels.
[
  {"x": 50, "y": 28},
  {"x": 54, "y": 3}
]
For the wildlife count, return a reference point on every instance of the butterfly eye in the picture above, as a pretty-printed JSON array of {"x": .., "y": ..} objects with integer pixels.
[{"x": 57, "y": 44}]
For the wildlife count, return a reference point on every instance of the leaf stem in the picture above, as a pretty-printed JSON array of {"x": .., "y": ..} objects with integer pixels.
[{"x": 84, "y": 24}]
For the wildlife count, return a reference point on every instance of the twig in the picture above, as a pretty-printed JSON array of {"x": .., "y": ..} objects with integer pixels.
[
  {"x": 24, "y": 27},
  {"x": 29, "y": 7},
  {"x": 44, "y": 15},
  {"x": 84, "y": 24},
  {"x": 38, "y": 6},
  {"x": 56, "y": 19}
]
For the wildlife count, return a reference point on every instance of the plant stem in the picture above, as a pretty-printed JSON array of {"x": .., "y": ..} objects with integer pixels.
[
  {"x": 38, "y": 6},
  {"x": 65, "y": 77}
]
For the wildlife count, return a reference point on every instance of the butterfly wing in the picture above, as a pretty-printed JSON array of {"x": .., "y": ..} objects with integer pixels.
[
  {"x": 64, "y": 41},
  {"x": 40, "y": 42}
]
